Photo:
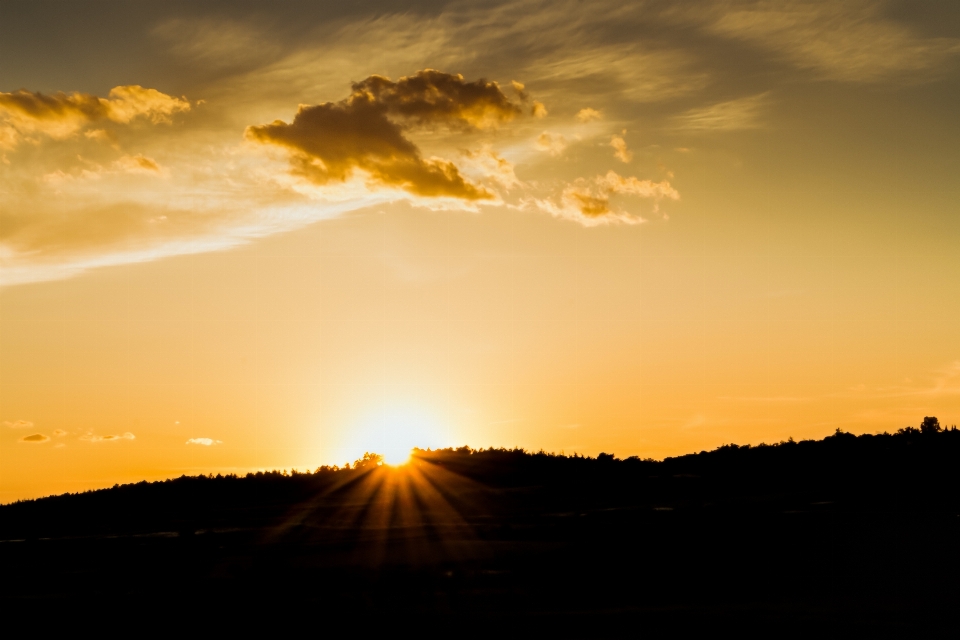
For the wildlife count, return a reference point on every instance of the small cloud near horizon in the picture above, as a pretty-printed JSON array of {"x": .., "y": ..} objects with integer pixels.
[
  {"x": 204, "y": 442},
  {"x": 18, "y": 424},
  {"x": 35, "y": 438},
  {"x": 92, "y": 437}
]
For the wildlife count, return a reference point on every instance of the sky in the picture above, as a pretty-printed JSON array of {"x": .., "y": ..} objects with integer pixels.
[{"x": 239, "y": 236}]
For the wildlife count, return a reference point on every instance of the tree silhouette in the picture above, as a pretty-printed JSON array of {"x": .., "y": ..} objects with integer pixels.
[{"x": 930, "y": 425}]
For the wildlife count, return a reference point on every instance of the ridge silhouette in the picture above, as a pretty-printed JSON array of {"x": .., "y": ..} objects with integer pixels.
[{"x": 857, "y": 531}]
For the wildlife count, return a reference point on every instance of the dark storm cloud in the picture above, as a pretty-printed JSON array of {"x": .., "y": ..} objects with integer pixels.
[{"x": 366, "y": 131}]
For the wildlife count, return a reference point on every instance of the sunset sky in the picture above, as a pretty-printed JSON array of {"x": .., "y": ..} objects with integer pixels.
[{"x": 239, "y": 235}]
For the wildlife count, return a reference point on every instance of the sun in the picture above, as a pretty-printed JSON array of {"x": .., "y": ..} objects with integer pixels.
[
  {"x": 396, "y": 457},
  {"x": 401, "y": 433},
  {"x": 395, "y": 432}
]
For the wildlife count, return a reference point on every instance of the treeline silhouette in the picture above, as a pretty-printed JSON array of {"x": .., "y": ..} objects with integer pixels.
[
  {"x": 914, "y": 468},
  {"x": 861, "y": 531}
]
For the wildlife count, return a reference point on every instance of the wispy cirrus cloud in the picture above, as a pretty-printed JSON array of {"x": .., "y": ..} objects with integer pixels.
[
  {"x": 18, "y": 424},
  {"x": 730, "y": 115},
  {"x": 844, "y": 41}
]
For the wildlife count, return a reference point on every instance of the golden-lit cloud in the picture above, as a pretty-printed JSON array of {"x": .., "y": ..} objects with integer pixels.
[
  {"x": 86, "y": 184},
  {"x": 365, "y": 131},
  {"x": 491, "y": 166},
  {"x": 552, "y": 143},
  {"x": 730, "y": 115},
  {"x": 620, "y": 151},
  {"x": 432, "y": 97},
  {"x": 612, "y": 182},
  {"x": 35, "y": 438},
  {"x": 204, "y": 442},
  {"x": 56, "y": 115},
  {"x": 59, "y": 115},
  {"x": 19, "y": 424},
  {"x": 59, "y": 433},
  {"x": 132, "y": 101},
  {"x": 92, "y": 437},
  {"x": 588, "y": 115},
  {"x": 137, "y": 164},
  {"x": 589, "y": 201}
]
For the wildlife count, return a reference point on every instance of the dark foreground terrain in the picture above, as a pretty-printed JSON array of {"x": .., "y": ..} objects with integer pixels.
[{"x": 856, "y": 534}]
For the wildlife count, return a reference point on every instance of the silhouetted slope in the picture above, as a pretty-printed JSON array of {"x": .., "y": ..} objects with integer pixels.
[
  {"x": 905, "y": 471},
  {"x": 854, "y": 530}
]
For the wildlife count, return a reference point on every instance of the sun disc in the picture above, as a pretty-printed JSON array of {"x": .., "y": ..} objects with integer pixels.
[{"x": 397, "y": 456}]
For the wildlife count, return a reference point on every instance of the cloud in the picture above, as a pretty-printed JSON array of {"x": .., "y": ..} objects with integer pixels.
[
  {"x": 846, "y": 41},
  {"x": 732, "y": 115},
  {"x": 610, "y": 74},
  {"x": 491, "y": 166},
  {"x": 57, "y": 115},
  {"x": 589, "y": 201},
  {"x": 615, "y": 183},
  {"x": 539, "y": 110},
  {"x": 365, "y": 131},
  {"x": 132, "y": 101},
  {"x": 35, "y": 438},
  {"x": 432, "y": 96},
  {"x": 620, "y": 151},
  {"x": 59, "y": 433},
  {"x": 588, "y": 115},
  {"x": 19, "y": 424},
  {"x": 204, "y": 442},
  {"x": 60, "y": 115},
  {"x": 552, "y": 143},
  {"x": 91, "y": 437},
  {"x": 87, "y": 227},
  {"x": 217, "y": 44},
  {"x": 137, "y": 164}
]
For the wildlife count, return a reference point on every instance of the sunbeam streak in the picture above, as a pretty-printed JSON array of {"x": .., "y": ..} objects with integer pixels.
[{"x": 414, "y": 514}]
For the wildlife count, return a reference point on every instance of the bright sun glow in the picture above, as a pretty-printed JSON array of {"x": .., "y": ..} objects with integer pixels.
[
  {"x": 398, "y": 457},
  {"x": 394, "y": 433}
]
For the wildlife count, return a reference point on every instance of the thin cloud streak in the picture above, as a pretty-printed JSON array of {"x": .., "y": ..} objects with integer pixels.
[
  {"x": 849, "y": 41},
  {"x": 731, "y": 115}
]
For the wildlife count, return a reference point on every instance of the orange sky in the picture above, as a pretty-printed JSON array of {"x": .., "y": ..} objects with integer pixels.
[{"x": 234, "y": 237}]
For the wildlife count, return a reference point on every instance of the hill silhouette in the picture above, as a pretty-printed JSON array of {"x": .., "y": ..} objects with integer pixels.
[{"x": 850, "y": 531}]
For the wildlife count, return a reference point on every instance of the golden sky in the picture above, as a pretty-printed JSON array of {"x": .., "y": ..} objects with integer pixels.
[{"x": 237, "y": 236}]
